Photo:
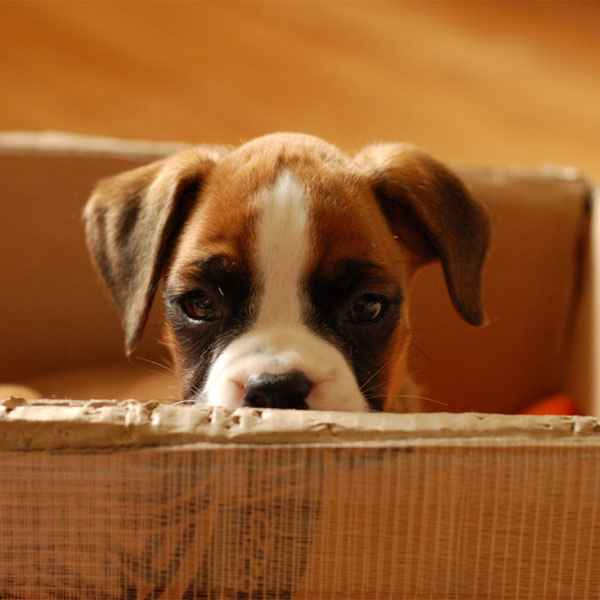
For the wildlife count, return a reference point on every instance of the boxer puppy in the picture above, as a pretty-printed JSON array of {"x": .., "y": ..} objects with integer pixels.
[{"x": 286, "y": 266}]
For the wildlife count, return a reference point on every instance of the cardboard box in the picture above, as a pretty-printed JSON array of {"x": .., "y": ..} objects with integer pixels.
[{"x": 109, "y": 499}]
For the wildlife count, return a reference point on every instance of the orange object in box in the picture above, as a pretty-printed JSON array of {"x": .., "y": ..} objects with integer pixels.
[{"x": 557, "y": 404}]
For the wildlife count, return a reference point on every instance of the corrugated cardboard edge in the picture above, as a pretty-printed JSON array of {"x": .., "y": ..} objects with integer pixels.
[{"x": 114, "y": 425}]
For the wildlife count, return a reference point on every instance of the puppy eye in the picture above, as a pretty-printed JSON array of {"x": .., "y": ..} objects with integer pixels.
[
  {"x": 201, "y": 307},
  {"x": 367, "y": 309}
]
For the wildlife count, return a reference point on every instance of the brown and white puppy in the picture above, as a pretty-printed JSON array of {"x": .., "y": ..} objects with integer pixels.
[{"x": 286, "y": 265}]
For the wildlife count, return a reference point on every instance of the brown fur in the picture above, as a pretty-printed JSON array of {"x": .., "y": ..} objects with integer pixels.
[{"x": 391, "y": 205}]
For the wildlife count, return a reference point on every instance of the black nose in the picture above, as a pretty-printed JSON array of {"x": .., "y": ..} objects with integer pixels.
[{"x": 284, "y": 390}]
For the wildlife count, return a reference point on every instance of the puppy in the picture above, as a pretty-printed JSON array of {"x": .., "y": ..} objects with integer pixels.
[{"x": 286, "y": 266}]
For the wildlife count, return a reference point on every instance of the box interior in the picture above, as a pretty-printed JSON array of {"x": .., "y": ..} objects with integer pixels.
[{"x": 62, "y": 334}]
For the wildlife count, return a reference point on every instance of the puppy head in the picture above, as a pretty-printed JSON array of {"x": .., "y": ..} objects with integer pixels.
[{"x": 286, "y": 265}]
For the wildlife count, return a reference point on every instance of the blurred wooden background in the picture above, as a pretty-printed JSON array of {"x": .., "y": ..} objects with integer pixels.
[{"x": 482, "y": 83}]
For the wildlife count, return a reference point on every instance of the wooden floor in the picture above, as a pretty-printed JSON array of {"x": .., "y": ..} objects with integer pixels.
[{"x": 482, "y": 83}]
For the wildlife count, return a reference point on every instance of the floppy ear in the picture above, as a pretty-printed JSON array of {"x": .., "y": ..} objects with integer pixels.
[
  {"x": 131, "y": 222},
  {"x": 417, "y": 193}
]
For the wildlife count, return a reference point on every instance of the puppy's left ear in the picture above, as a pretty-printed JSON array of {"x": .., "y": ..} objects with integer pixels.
[
  {"x": 418, "y": 194},
  {"x": 132, "y": 220}
]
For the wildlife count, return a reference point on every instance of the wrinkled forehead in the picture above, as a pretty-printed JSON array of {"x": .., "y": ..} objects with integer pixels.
[{"x": 319, "y": 205}]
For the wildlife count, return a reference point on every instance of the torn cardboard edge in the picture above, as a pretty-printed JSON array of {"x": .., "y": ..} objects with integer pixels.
[{"x": 69, "y": 425}]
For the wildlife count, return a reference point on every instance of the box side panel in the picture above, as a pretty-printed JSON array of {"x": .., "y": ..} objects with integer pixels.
[
  {"x": 305, "y": 523},
  {"x": 55, "y": 312},
  {"x": 582, "y": 374}
]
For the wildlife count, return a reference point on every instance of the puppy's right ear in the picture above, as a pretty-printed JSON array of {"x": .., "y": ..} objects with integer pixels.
[
  {"x": 418, "y": 193},
  {"x": 132, "y": 221}
]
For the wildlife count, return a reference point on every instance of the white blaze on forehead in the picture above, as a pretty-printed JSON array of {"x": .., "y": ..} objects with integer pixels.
[
  {"x": 282, "y": 248},
  {"x": 279, "y": 341}
]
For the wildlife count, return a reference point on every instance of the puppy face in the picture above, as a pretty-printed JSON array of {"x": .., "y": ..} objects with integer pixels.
[{"x": 286, "y": 265}]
